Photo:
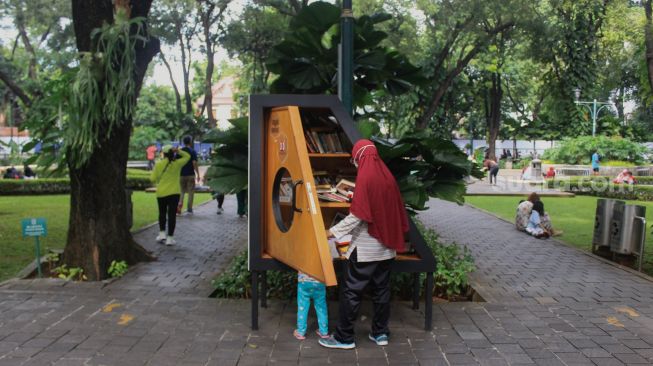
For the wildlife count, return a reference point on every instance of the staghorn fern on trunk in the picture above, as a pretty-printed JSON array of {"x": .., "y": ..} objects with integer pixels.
[{"x": 103, "y": 87}]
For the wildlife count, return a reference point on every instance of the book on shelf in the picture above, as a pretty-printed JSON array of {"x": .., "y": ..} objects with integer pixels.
[
  {"x": 325, "y": 142},
  {"x": 346, "y": 188}
]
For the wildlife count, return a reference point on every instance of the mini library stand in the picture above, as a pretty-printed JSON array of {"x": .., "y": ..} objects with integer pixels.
[{"x": 291, "y": 138}]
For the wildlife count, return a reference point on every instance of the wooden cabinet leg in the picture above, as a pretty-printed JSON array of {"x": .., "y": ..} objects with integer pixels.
[{"x": 428, "y": 302}]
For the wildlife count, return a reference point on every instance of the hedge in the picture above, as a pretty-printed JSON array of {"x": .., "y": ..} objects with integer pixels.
[
  {"x": 57, "y": 185},
  {"x": 603, "y": 187}
]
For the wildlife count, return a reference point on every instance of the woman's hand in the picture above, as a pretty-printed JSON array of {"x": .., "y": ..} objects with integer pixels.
[{"x": 329, "y": 234}]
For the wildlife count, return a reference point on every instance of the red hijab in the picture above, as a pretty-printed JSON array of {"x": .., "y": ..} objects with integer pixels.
[{"x": 377, "y": 199}]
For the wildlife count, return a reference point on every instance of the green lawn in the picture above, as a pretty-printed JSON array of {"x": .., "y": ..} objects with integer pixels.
[
  {"x": 575, "y": 216},
  {"x": 16, "y": 252}
]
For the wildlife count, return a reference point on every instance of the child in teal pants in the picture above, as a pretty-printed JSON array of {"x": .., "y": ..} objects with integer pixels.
[{"x": 309, "y": 288}]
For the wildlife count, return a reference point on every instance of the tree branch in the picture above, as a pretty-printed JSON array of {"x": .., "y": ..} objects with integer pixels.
[
  {"x": 423, "y": 121},
  {"x": 15, "y": 88}
]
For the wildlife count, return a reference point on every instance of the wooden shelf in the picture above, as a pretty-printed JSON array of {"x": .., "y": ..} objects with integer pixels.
[
  {"x": 335, "y": 204},
  {"x": 330, "y": 155}
]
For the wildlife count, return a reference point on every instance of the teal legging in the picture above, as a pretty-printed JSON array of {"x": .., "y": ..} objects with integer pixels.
[{"x": 305, "y": 292}]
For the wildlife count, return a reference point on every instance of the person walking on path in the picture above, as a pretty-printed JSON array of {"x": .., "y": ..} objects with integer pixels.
[
  {"x": 378, "y": 224},
  {"x": 596, "y": 158},
  {"x": 189, "y": 174},
  {"x": 493, "y": 167},
  {"x": 166, "y": 176},
  {"x": 151, "y": 155},
  {"x": 241, "y": 198}
]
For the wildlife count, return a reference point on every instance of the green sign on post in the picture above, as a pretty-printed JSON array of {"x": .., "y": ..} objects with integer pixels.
[{"x": 35, "y": 227}]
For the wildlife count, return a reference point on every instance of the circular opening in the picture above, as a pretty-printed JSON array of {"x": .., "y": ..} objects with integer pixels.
[{"x": 282, "y": 197}]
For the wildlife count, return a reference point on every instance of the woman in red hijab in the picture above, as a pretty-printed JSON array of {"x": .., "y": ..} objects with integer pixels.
[{"x": 377, "y": 223}]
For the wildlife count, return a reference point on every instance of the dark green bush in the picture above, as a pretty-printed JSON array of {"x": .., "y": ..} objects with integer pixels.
[
  {"x": 579, "y": 150},
  {"x": 603, "y": 187},
  {"x": 450, "y": 276},
  {"x": 57, "y": 185}
]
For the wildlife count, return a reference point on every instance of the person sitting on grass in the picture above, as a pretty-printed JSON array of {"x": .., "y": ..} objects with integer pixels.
[
  {"x": 524, "y": 210},
  {"x": 625, "y": 177},
  {"x": 535, "y": 227}
]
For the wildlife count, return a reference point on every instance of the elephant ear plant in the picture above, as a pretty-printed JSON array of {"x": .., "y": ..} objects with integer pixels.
[
  {"x": 427, "y": 166},
  {"x": 228, "y": 171}
]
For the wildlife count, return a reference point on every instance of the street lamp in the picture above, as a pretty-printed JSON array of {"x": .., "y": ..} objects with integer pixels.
[{"x": 594, "y": 107}]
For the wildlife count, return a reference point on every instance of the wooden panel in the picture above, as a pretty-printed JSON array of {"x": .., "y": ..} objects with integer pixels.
[{"x": 303, "y": 246}]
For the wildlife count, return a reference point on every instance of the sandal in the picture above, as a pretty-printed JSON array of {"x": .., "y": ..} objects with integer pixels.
[{"x": 298, "y": 335}]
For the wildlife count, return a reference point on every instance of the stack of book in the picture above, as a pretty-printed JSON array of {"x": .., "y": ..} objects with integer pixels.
[
  {"x": 325, "y": 142},
  {"x": 343, "y": 191}
]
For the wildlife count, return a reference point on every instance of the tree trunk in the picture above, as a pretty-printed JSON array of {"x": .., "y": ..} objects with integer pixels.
[
  {"x": 174, "y": 85},
  {"x": 648, "y": 32},
  {"x": 97, "y": 231},
  {"x": 494, "y": 118},
  {"x": 206, "y": 13}
]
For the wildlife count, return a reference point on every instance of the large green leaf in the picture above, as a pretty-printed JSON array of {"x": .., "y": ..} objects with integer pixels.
[{"x": 318, "y": 16}]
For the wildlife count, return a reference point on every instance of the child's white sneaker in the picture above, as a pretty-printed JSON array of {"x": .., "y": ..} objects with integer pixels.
[
  {"x": 161, "y": 237},
  {"x": 170, "y": 241}
]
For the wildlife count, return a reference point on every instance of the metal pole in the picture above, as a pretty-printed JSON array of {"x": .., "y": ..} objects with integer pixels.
[
  {"x": 594, "y": 118},
  {"x": 641, "y": 247},
  {"x": 254, "y": 300},
  {"x": 428, "y": 302},
  {"x": 416, "y": 288},
  {"x": 347, "y": 55},
  {"x": 38, "y": 256}
]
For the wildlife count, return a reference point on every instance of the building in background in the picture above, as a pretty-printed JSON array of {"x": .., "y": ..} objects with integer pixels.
[{"x": 224, "y": 106}]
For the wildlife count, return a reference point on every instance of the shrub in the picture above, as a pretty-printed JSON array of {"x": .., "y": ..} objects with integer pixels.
[
  {"x": 450, "y": 276},
  {"x": 58, "y": 185},
  {"x": 580, "y": 149},
  {"x": 603, "y": 187}
]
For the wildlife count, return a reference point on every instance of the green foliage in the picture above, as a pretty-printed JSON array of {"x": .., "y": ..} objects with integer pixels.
[
  {"x": 142, "y": 137},
  {"x": 579, "y": 150},
  {"x": 59, "y": 185},
  {"x": 306, "y": 60},
  {"x": 426, "y": 166},
  {"x": 69, "y": 274},
  {"x": 117, "y": 268},
  {"x": 228, "y": 170},
  {"x": 103, "y": 88},
  {"x": 603, "y": 187},
  {"x": 451, "y": 274}
]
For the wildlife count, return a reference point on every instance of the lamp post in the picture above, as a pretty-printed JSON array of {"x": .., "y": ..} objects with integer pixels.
[
  {"x": 594, "y": 107},
  {"x": 346, "y": 60}
]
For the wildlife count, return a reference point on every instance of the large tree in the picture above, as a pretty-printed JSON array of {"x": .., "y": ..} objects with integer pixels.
[
  {"x": 211, "y": 14},
  {"x": 175, "y": 23},
  {"x": 98, "y": 232}
]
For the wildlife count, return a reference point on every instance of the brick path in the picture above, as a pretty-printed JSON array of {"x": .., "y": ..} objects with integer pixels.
[{"x": 547, "y": 305}]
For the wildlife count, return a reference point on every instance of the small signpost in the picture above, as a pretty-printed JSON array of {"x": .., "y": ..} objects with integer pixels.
[{"x": 35, "y": 227}]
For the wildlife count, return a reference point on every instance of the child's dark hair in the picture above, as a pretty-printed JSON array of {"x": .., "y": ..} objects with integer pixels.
[
  {"x": 187, "y": 140},
  {"x": 539, "y": 207}
]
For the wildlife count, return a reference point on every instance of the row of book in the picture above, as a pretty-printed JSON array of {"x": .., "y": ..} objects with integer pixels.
[{"x": 326, "y": 142}]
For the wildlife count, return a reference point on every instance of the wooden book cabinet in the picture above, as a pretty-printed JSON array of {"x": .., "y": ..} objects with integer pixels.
[{"x": 287, "y": 221}]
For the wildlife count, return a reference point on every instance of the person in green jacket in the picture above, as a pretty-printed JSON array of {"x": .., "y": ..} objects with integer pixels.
[{"x": 166, "y": 176}]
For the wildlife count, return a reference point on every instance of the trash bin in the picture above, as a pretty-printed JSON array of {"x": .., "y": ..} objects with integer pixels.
[
  {"x": 626, "y": 231},
  {"x": 602, "y": 219},
  {"x": 130, "y": 208},
  {"x": 536, "y": 169}
]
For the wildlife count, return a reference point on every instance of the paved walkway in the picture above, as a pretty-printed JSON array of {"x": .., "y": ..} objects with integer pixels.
[{"x": 547, "y": 305}]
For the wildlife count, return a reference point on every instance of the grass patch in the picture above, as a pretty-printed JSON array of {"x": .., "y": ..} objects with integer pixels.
[
  {"x": 575, "y": 216},
  {"x": 17, "y": 252}
]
